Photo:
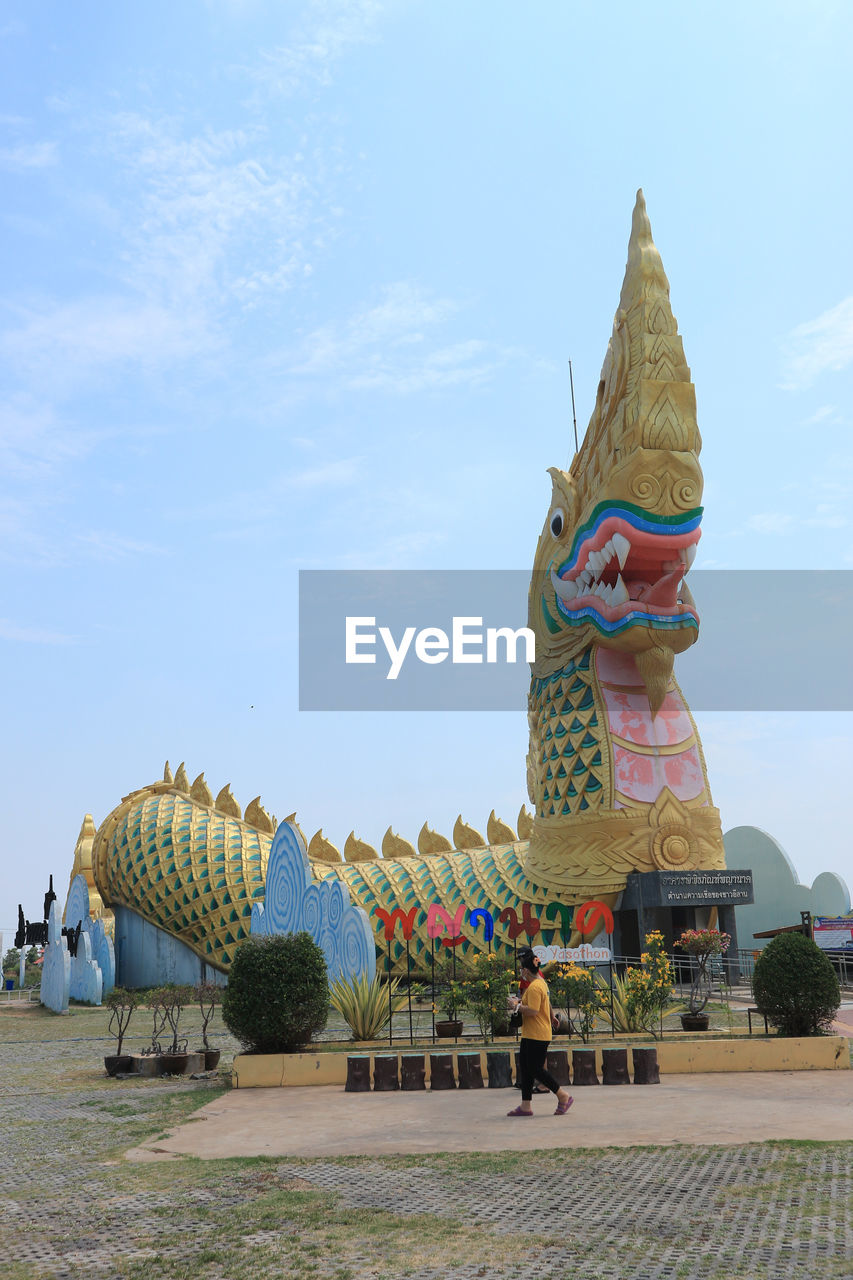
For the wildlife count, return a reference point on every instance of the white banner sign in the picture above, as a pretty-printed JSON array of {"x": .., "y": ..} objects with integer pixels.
[{"x": 584, "y": 954}]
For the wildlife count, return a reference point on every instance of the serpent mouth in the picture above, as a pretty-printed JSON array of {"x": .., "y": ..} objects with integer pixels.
[{"x": 627, "y": 568}]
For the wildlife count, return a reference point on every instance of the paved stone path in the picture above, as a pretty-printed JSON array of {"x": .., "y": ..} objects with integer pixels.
[
  {"x": 764, "y": 1211},
  {"x": 70, "y": 1210},
  {"x": 325, "y": 1121},
  {"x": 673, "y": 1216}
]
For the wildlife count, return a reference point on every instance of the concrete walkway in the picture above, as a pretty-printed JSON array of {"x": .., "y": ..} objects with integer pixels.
[
  {"x": 843, "y": 1024},
  {"x": 694, "y": 1109}
]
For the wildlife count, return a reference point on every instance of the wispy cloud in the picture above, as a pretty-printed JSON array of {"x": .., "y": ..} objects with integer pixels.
[
  {"x": 31, "y": 635},
  {"x": 69, "y": 342},
  {"x": 343, "y": 472},
  {"x": 821, "y": 345},
  {"x": 34, "y": 440},
  {"x": 770, "y": 522},
  {"x": 394, "y": 345},
  {"x": 327, "y": 31},
  {"x": 825, "y": 515},
  {"x": 827, "y": 414},
  {"x": 219, "y": 218},
  {"x": 257, "y": 511},
  {"x": 101, "y": 544},
  {"x": 34, "y": 155}
]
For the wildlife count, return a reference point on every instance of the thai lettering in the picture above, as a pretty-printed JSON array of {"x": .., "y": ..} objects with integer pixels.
[
  {"x": 560, "y": 909},
  {"x": 588, "y": 915},
  {"x": 448, "y": 928},
  {"x": 439, "y": 921},
  {"x": 390, "y": 918},
  {"x": 528, "y": 923},
  {"x": 480, "y": 913}
]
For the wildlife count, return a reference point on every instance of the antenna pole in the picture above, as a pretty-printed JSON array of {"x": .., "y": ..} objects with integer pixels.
[{"x": 574, "y": 419}]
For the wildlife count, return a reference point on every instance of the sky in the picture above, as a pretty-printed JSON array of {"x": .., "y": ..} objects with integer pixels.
[{"x": 295, "y": 287}]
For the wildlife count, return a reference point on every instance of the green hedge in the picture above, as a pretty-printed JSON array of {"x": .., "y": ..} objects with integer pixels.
[
  {"x": 277, "y": 996},
  {"x": 795, "y": 986}
]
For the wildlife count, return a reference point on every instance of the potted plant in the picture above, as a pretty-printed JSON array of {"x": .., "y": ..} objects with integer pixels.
[
  {"x": 208, "y": 995},
  {"x": 121, "y": 1005},
  {"x": 151, "y": 1000},
  {"x": 169, "y": 1004},
  {"x": 451, "y": 999},
  {"x": 700, "y": 945}
]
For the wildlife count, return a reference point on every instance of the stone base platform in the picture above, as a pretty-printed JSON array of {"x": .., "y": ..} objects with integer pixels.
[{"x": 675, "y": 1057}]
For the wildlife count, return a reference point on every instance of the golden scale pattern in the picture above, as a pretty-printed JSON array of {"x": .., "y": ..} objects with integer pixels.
[
  {"x": 566, "y": 712},
  {"x": 190, "y": 864},
  {"x": 194, "y": 865}
]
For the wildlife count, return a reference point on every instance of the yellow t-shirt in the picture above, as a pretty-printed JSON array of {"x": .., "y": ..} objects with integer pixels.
[{"x": 537, "y": 1026}]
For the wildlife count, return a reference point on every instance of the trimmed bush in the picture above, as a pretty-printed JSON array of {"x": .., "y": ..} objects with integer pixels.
[
  {"x": 277, "y": 996},
  {"x": 795, "y": 986}
]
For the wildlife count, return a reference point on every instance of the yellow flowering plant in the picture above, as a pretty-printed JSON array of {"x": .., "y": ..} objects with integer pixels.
[
  {"x": 649, "y": 988},
  {"x": 574, "y": 988},
  {"x": 487, "y": 986}
]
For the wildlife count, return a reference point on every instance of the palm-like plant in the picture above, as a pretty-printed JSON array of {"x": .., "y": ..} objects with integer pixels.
[
  {"x": 619, "y": 1008},
  {"x": 366, "y": 1006}
]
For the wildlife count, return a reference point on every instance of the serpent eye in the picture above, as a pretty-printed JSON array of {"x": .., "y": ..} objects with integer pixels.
[{"x": 558, "y": 523}]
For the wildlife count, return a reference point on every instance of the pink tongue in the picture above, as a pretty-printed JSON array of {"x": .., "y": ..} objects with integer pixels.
[{"x": 665, "y": 590}]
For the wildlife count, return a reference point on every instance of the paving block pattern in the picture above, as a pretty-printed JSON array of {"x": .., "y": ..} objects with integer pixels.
[{"x": 757, "y": 1212}]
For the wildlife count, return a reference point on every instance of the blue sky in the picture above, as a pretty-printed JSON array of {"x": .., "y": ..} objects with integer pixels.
[{"x": 295, "y": 286}]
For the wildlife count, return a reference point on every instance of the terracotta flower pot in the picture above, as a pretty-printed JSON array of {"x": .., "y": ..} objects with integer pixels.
[
  {"x": 695, "y": 1021},
  {"x": 448, "y": 1030},
  {"x": 211, "y": 1059}
]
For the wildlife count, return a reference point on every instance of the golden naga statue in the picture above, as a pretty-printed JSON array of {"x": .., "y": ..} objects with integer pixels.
[{"x": 615, "y": 770}]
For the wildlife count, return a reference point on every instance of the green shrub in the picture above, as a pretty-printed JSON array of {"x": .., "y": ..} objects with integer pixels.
[
  {"x": 486, "y": 982},
  {"x": 277, "y": 996},
  {"x": 795, "y": 986}
]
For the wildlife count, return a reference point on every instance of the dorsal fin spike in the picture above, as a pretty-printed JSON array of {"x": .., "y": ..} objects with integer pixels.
[
  {"x": 524, "y": 823},
  {"x": 167, "y": 773},
  {"x": 356, "y": 850},
  {"x": 201, "y": 792},
  {"x": 394, "y": 846},
  {"x": 498, "y": 832},
  {"x": 465, "y": 837},
  {"x": 322, "y": 850},
  {"x": 182, "y": 782},
  {"x": 257, "y": 816},
  {"x": 225, "y": 802},
  {"x": 430, "y": 842}
]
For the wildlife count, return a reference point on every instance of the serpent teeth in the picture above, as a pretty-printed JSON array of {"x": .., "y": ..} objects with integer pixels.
[
  {"x": 621, "y": 546},
  {"x": 619, "y": 592},
  {"x": 564, "y": 587}
]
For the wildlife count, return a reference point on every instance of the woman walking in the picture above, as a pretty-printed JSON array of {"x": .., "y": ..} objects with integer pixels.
[{"x": 534, "y": 1005}]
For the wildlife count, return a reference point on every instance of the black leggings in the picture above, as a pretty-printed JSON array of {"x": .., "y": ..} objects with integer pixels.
[{"x": 531, "y": 1066}]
